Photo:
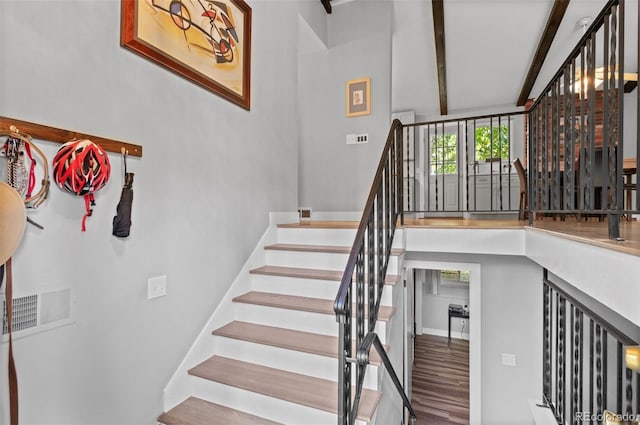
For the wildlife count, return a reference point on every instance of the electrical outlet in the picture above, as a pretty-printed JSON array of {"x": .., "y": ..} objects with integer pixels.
[
  {"x": 156, "y": 287},
  {"x": 508, "y": 359}
]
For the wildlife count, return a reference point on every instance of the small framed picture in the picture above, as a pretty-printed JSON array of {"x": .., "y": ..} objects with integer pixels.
[{"x": 358, "y": 97}]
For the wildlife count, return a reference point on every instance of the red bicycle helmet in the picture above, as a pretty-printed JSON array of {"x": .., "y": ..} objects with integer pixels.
[{"x": 81, "y": 168}]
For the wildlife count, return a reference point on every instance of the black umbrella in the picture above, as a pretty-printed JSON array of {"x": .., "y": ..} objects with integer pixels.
[{"x": 122, "y": 220}]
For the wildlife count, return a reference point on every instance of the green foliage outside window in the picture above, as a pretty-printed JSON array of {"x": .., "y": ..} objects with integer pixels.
[
  {"x": 491, "y": 142},
  {"x": 444, "y": 154},
  {"x": 461, "y": 275},
  {"x": 500, "y": 146}
]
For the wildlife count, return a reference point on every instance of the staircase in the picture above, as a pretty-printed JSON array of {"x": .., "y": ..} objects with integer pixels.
[{"x": 274, "y": 359}]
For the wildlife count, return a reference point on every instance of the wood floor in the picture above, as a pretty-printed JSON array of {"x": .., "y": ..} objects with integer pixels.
[
  {"x": 441, "y": 381},
  {"x": 591, "y": 232}
]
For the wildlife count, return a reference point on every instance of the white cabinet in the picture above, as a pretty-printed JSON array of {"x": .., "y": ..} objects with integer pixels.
[{"x": 485, "y": 194}]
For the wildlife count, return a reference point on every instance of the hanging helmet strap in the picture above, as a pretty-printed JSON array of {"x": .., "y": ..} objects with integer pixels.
[
  {"x": 32, "y": 170},
  {"x": 89, "y": 201}
]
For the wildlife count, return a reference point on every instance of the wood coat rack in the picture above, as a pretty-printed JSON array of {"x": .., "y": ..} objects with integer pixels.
[{"x": 58, "y": 135}]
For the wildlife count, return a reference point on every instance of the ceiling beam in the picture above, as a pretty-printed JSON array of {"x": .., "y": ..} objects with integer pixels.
[
  {"x": 437, "y": 7},
  {"x": 553, "y": 23},
  {"x": 327, "y": 5}
]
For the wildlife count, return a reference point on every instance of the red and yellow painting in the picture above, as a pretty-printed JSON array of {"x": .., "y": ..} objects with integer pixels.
[{"x": 207, "y": 41}]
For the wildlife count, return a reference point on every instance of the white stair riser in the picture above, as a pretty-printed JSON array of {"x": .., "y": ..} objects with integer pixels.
[
  {"x": 297, "y": 320},
  {"x": 335, "y": 237},
  {"x": 316, "y": 260},
  {"x": 293, "y": 361},
  {"x": 313, "y": 288},
  {"x": 260, "y": 405}
]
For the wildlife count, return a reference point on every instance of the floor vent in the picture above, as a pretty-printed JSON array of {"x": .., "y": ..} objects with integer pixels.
[{"x": 25, "y": 314}]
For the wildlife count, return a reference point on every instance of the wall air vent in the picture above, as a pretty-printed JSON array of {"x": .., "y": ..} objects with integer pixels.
[
  {"x": 37, "y": 312},
  {"x": 25, "y": 314}
]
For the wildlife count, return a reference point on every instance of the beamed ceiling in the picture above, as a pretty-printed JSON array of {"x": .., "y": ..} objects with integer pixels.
[{"x": 488, "y": 53}]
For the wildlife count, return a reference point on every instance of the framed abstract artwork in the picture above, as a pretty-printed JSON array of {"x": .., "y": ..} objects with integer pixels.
[
  {"x": 358, "y": 97},
  {"x": 207, "y": 42}
]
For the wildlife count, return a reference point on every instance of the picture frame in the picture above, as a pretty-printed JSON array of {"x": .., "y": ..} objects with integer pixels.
[
  {"x": 358, "y": 93},
  {"x": 205, "y": 41}
]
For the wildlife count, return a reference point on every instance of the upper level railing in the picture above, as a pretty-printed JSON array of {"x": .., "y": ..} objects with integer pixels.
[
  {"x": 576, "y": 152},
  {"x": 584, "y": 371},
  {"x": 364, "y": 278},
  {"x": 464, "y": 165}
]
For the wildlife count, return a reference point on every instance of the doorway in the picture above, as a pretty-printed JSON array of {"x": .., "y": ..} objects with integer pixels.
[{"x": 432, "y": 363}]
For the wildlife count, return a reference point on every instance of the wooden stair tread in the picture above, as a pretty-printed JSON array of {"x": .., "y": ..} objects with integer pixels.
[
  {"x": 195, "y": 411},
  {"x": 306, "y": 342},
  {"x": 293, "y": 387},
  {"x": 321, "y": 274},
  {"x": 292, "y": 302},
  {"x": 330, "y": 249}
]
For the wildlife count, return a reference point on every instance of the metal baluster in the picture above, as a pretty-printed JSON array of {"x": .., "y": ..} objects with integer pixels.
[
  {"x": 555, "y": 148},
  {"x": 620, "y": 205},
  {"x": 619, "y": 378},
  {"x": 379, "y": 252},
  {"x": 444, "y": 143},
  {"x": 628, "y": 374},
  {"x": 591, "y": 110},
  {"x": 466, "y": 161},
  {"x": 599, "y": 378},
  {"x": 371, "y": 269},
  {"x": 604, "y": 368},
  {"x": 408, "y": 160},
  {"x": 439, "y": 164},
  {"x": 545, "y": 150},
  {"x": 546, "y": 362},
  {"x": 509, "y": 159},
  {"x": 607, "y": 137},
  {"x": 561, "y": 358},
  {"x": 500, "y": 156},
  {"x": 576, "y": 363},
  {"x": 458, "y": 168},
  {"x": 475, "y": 169},
  {"x": 344, "y": 379},
  {"x": 581, "y": 178},
  {"x": 591, "y": 364},
  {"x": 613, "y": 113},
  {"x": 491, "y": 164},
  {"x": 534, "y": 161}
]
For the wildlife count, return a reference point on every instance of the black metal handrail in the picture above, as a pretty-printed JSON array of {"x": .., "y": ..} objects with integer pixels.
[{"x": 368, "y": 263}]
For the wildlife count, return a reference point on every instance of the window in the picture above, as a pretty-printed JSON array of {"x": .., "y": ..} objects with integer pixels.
[
  {"x": 492, "y": 142},
  {"x": 455, "y": 275},
  {"x": 444, "y": 154}
]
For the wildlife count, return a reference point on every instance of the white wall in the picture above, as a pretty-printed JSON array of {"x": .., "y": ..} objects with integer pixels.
[
  {"x": 210, "y": 174},
  {"x": 435, "y": 311},
  {"x": 335, "y": 176}
]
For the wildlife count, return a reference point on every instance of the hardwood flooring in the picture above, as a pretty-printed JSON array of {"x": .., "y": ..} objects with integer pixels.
[
  {"x": 590, "y": 232},
  {"x": 441, "y": 381}
]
